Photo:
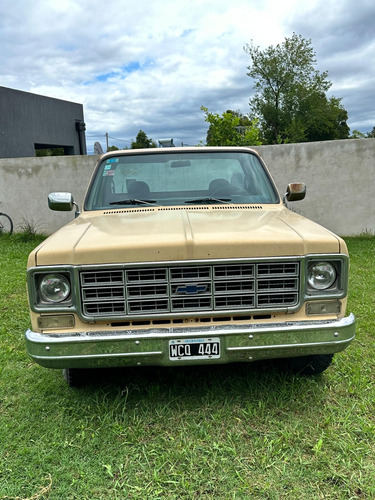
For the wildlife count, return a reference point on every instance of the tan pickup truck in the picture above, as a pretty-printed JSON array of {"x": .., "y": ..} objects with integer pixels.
[{"x": 184, "y": 256}]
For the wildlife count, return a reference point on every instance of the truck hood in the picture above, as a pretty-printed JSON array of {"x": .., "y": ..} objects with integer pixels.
[{"x": 180, "y": 233}]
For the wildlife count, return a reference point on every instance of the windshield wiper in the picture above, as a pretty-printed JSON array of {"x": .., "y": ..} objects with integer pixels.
[
  {"x": 210, "y": 200},
  {"x": 133, "y": 201}
]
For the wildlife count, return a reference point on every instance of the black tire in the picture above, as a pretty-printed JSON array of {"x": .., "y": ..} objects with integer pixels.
[
  {"x": 74, "y": 377},
  {"x": 6, "y": 224},
  {"x": 309, "y": 365}
]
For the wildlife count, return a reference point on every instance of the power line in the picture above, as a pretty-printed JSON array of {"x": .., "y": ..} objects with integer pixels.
[
  {"x": 109, "y": 137},
  {"x": 106, "y": 139},
  {"x": 116, "y": 139}
]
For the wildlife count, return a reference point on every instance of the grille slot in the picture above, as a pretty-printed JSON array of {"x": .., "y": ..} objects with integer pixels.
[
  {"x": 147, "y": 291},
  {"x": 269, "y": 300},
  {"x": 190, "y": 273},
  {"x": 234, "y": 271},
  {"x": 98, "y": 278},
  {"x": 277, "y": 269},
  {"x": 277, "y": 284},
  {"x": 143, "y": 275},
  {"x": 234, "y": 287},
  {"x": 163, "y": 289},
  {"x": 104, "y": 308},
  {"x": 191, "y": 304},
  {"x": 235, "y": 302},
  {"x": 148, "y": 306},
  {"x": 104, "y": 293}
]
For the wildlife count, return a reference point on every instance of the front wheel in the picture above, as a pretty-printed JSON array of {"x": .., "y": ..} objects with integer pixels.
[
  {"x": 309, "y": 365},
  {"x": 74, "y": 377},
  {"x": 6, "y": 224}
]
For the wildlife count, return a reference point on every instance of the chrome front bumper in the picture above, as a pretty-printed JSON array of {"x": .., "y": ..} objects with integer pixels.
[{"x": 238, "y": 343}]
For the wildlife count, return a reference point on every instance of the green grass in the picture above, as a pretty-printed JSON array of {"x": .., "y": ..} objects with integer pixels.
[{"x": 236, "y": 431}]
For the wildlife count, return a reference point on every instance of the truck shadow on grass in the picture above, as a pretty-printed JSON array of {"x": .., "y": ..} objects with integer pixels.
[{"x": 264, "y": 382}]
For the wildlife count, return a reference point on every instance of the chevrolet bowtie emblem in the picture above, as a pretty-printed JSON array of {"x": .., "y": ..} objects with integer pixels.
[{"x": 191, "y": 289}]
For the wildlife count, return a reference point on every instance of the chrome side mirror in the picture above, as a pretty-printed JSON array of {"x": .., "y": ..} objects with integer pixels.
[
  {"x": 62, "y": 202},
  {"x": 295, "y": 191}
]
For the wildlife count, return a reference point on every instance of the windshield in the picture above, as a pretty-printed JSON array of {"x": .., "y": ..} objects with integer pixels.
[{"x": 178, "y": 178}]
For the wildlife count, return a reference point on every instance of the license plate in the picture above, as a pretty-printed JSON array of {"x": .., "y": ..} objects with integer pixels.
[{"x": 190, "y": 349}]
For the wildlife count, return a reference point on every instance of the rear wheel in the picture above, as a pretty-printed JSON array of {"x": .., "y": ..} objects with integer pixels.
[
  {"x": 6, "y": 224},
  {"x": 310, "y": 365}
]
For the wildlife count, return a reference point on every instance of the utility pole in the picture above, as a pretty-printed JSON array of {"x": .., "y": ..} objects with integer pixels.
[{"x": 106, "y": 138}]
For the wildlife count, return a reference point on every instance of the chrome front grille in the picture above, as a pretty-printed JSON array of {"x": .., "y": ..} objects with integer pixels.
[{"x": 123, "y": 291}]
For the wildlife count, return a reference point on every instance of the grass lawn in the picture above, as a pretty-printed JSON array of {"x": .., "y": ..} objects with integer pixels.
[{"x": 234, "y": 431}]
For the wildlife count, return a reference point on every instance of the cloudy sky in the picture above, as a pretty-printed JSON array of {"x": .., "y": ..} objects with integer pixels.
[{"x": 151, "y": 64}]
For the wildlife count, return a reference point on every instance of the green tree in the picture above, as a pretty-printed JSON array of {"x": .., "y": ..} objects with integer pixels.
[
  {"x": 112, "y": 148},
  {"x": 290, "y": 94},
  {"x": 49, "y": 152},
  {"x": 231, "y": 129},
  {"x": 356, "y": 134},
  {"x": 142, "y": 141},
  {"x": 317, "y": 119}
]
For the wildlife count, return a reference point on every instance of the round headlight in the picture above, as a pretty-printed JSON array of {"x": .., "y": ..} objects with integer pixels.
[
  {"x": 54, "y": 288},
  {"x": 321, "y": 275}
]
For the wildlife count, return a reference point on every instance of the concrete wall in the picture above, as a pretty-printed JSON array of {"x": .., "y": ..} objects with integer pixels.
[
  {"x": 338, "y": 174},
  {"x": 340, "y": 181},
  {"x": 26, "y": 182}
]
